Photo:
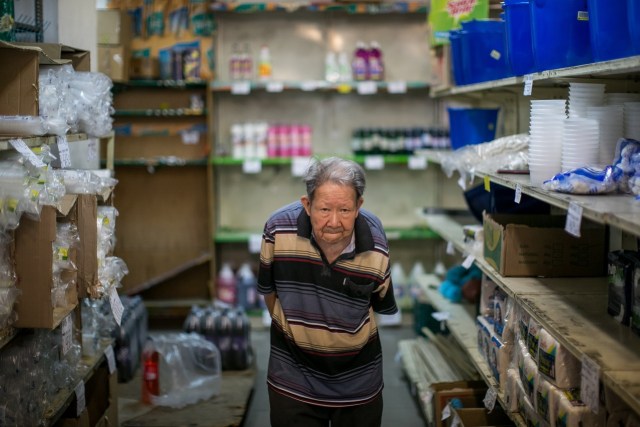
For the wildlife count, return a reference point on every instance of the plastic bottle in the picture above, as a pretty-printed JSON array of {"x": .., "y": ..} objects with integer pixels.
[
  {"x": 246, "y": 64},
  {"x": 331, "y": 70},
  {"x": 376, "y": 64},
  {"x": 227, "y": 289},
  {"x": 247, "y": 287},
  {"x": 264, "y": 63},
  {"x": 344, "y": 68},
  {"x": 305, "y": 140},
  {"x": 235, "y": 63},
  {"x": 150, "y": 373},
  {"x": 360, "y": 62}
]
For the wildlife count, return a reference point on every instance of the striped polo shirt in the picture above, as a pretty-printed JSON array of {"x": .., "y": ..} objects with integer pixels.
[{"x": 325, "y": 348}]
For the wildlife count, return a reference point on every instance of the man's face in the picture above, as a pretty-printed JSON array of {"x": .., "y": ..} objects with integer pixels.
[{"x": 333, "y": 212}]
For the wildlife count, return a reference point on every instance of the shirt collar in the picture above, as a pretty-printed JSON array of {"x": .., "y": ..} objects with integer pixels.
[{"x": 361, "y": 240}]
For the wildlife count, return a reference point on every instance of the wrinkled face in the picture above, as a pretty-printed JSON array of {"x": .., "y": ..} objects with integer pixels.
[{"x": 333, "y": 212}]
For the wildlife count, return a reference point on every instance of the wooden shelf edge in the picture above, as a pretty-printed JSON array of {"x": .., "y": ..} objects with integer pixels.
[{"x": 196, "y": 262}]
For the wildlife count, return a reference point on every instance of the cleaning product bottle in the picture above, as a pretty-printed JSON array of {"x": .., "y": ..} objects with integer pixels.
[
  {"x": 247, "y": 287},
  {"x": 150, "y": 372},
  {"x": 235, "y": 63},
  {"x": 264, "y": 63},
  {"x": 344, "y": 68},
  {"x": 331, "y": 71},
  {"x": 246, "y": 66},
  {"x": 376, "y": 65},
  {"x": 227, "y": 289},
  {"x": 360, "y": 62}
]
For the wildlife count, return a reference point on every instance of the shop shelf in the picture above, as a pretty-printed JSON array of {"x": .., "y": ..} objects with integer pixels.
[
  {"x": 156, "y": 162},
  {"x": 354, "y": 8},
  {"x": 36, "y": 141},
  {"x": 171, "y": 84},
  {"x": 160, "y": 112},
  {"x": 364, "y": 88},
  {"x": 558, "y": 77},
  {"x": 573, "y": 310}
]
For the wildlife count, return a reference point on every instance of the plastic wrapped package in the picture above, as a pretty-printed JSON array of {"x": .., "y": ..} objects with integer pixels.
[
  {"x": 106, "y": 230},
  {"x": 546, "y": 400},
  {"x": 556, "y": 363},
  {"x": 585, "y": 180},
  {"x": 499, "y": 359},
  {"x": 484, "y": 336},
  {"x": 130, "y": 337},
  {"x": 110, "y": 274},
  {"x": 503, "y": 318},
  {"x": 13, "y": 178},
  {"x": 509, "y": 152},
  {"x": 22, "y": 125},
  {"x": 570, "y": 411},
  {"x": 528, "y": 371},
  {"x": 511, "y": 392},
  {"x": 528, "y": 411},
  {"x": 79, "y": 181},
  {"x": 533, "y": 337},
  {"x": 189, "y": 369},
  {"x": 67, "y": 237},
  {"x": 488, "y": 290}
]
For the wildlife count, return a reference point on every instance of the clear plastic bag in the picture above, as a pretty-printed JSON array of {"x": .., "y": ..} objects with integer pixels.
[
  {"x": 190, "y": 369},
  {"x": 583, "y": 181},
  {"x": 79, "y": 181}
]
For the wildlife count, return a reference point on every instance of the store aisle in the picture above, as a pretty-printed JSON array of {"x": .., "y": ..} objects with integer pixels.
[{"x": 400, "y": 408}]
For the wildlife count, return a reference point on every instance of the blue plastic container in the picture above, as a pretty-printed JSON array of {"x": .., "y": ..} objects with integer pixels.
[
  {"x": 484, "y": 50},
  {"x": 457, "y": 59},
  {"x": 609, "y": 28},
  {"x": 633, "y": 17},
  {"x": 468, "y": 126},
  {"x": 560, "y": 33},
  {"x": 519, "y": 39}
]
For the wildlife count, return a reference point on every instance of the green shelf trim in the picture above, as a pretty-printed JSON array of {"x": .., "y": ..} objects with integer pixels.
[
  {"x": 354, "y": 8},
  {"x": 172, "y": 84},
  {"x": 159, "y": 162},
  {"x": 421, "y": 233},
  {"x": 160, "y": 112},
  {"x": 311, "y": 86},
  {"x": 389, "y": 159}
]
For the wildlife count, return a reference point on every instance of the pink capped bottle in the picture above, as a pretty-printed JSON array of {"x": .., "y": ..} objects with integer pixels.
[
  {"x": 376, "y": 65},
  {"x": 272, "y": 141},
  {"x": 305, "y": 140},
  {"x": 360, "y": 62}
]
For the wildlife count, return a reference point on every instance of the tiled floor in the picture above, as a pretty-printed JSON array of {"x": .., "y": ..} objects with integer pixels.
[{"x": 400, "y": 408}]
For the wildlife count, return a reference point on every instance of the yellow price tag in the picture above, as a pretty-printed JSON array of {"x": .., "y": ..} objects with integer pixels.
[{"x": 487, "y": 183}]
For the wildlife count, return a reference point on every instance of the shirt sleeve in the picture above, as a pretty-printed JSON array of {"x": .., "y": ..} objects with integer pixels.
[
  {"x": 385, "y": 301},
  {"x": 265, "y": 273}
]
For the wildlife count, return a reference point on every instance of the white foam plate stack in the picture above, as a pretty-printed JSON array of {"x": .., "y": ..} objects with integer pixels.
[{"x": 545, "y": 145}]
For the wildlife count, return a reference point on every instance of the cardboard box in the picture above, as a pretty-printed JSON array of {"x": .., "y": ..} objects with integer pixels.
[
  {"x": 538, "y": 245},
  {"x": 87, "y": 259},
  {"x": 114, "y": 27},
  {"x": 470, "y": 394},
  {"x": 79, "y": 58},
  {"x": 33, "y": 253},
  {"x": 114, "y": 62},
  {"x": 479, "y": 417},
  {"x": 145, "y": 67}
]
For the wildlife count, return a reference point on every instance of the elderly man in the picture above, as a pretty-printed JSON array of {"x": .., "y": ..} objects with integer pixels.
[{"x": 324, "y": 270}]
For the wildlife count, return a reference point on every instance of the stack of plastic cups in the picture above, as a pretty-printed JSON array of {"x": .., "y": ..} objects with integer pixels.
[
  {"x": 583, "y": 96},
  {"x": 632, "y": 120},
  {"x": 610, "y": 123},
  {"x": 580, "y": 143},
  {"x": 545, "y": 145}
]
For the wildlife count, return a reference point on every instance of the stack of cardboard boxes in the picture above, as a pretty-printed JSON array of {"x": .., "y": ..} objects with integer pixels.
[{"x": 114, "y": 35}]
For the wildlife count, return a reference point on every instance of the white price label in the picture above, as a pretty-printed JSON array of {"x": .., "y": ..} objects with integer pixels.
[
  {"x": 574, "y": 219},
  {"x": 468, "y": 261},
  {"x": 66, "y": 328},
  {"x": 309, "y": 86},
  {"x": 241, "y": 88},
  {"x": 190, "y": 137},
  {"x": 63, "y": 152},
  {"x": 20, "y": 146},
  {"x": 528, "y": 85},
  {"x": 116, "y": 305},
  {"x": 490, "y": 399},
  {"x": 397, "y": 87},
  {"x": 367, "y": 88},
  {"x": 299, "y": 165},
  {"x": 275, "y": 87},
  {"x": 495, "y": 55},
  {"x": 417, "y": 163},
  {"x": 446, "y": 412},
  {"x": 590, "y": 383},
  {"x": 374, "y": 162},
  {"x": 441, "y": 316},
  {"x": 451, "y": 249},
  {"x": 255, "y": 243},
  {"x": 252, "y": 166},
  {"x": 518, "y": 196},
  {"x": 111, "y": 359},
  {"x": 80, "y": 399}
]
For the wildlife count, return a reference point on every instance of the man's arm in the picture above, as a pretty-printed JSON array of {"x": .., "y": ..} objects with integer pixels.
[{"x": 270, "y": 301}]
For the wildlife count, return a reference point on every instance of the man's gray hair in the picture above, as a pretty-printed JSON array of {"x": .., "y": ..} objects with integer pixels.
[{"x": 335, "y": 170}]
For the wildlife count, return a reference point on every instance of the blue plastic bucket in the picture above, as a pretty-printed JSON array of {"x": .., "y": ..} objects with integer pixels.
[
  {"x": 560, "y": 33},
  {"x": 457, "y": 59},
  {"x": 484, "y": 50},
  {"x": 518, "y": 35},
  {"x": 609, "y": 28},
  {"x": 633, "y": 17},
  {"x": 468, "y": 126}
]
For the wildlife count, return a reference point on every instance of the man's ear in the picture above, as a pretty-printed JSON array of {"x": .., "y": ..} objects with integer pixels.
[
  {"x": 360, "y": 202},
  {"x": 306, "y": 204}
]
